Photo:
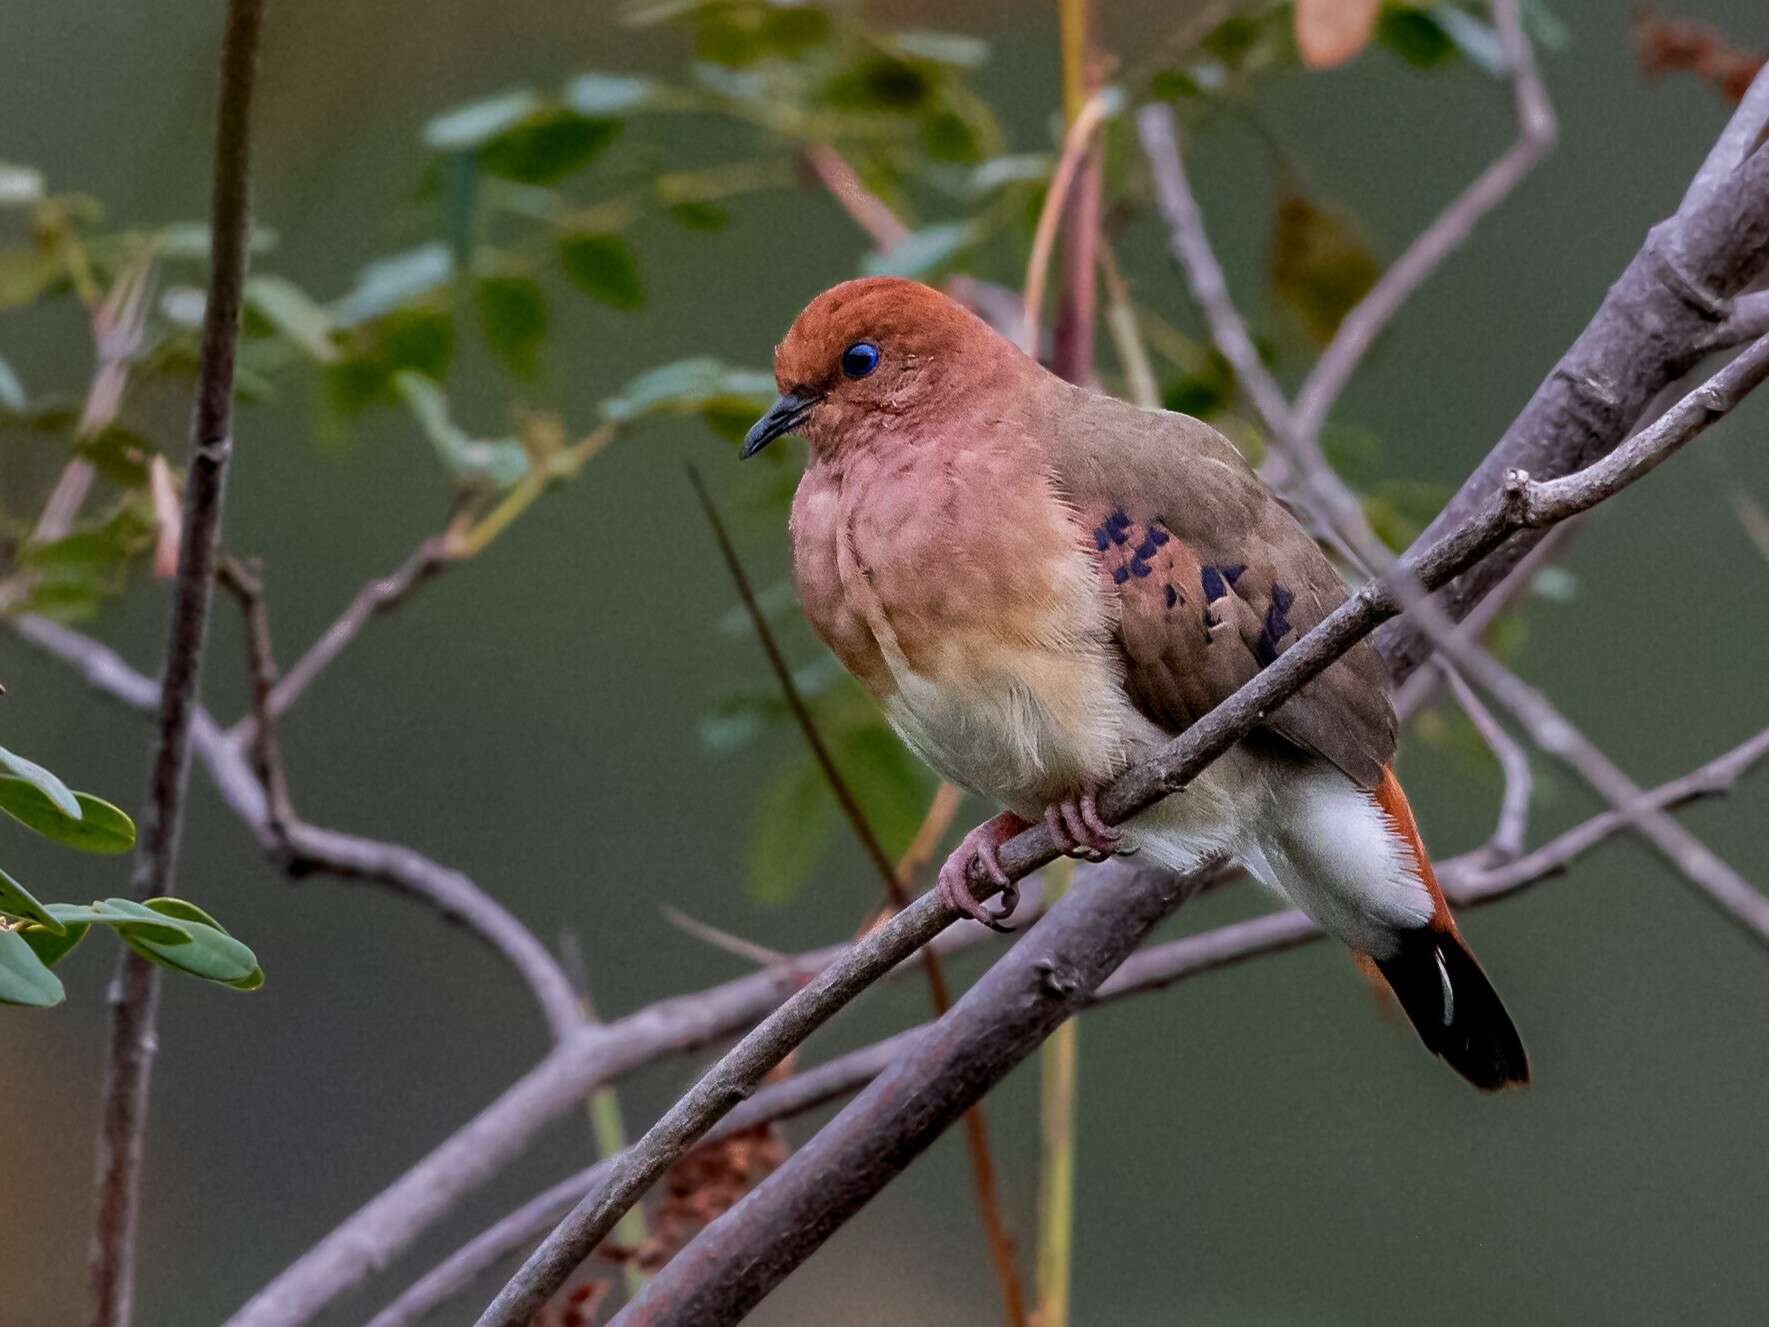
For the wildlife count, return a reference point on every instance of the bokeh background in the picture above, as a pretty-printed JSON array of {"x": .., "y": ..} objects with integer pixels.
[{"x": 1257, "y": 1146}]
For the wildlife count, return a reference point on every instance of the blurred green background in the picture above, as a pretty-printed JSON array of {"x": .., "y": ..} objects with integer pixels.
[{"x": 1257, "y": 1146}]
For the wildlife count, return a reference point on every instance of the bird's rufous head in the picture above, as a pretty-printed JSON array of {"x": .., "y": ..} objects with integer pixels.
[{"x": 875, "y": 355}]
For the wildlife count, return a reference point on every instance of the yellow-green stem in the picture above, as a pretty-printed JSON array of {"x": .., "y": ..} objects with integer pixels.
[
  {"x": 1057, "y": 1062},
  {"x": 609, "y": 1127}
]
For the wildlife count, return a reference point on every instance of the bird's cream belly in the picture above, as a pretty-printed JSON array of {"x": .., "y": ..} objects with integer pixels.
[{"x": 1036, "y": 729}]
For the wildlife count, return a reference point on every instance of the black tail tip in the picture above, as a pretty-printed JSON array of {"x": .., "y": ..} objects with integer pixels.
[{"x": 1455, "y": 1009}]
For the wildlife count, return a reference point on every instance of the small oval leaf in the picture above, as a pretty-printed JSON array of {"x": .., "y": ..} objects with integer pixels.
[
  {"x": 16, "y": 901},
  {"x": 33, "y": 773},
  {"x": 23, "y": 977},
  {"x": 101, "y": 827}
]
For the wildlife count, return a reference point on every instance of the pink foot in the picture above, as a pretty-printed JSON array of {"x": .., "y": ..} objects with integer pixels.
[
  {"x": 982, "y": 844},
  {"x": 1075, "y": 824}
]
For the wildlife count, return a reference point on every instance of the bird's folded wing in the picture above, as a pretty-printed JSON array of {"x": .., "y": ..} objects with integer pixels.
[{"x": 1213, "y": 579}]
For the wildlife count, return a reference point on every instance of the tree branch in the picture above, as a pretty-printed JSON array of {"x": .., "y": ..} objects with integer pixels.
[{"x": 135, "y": 992}]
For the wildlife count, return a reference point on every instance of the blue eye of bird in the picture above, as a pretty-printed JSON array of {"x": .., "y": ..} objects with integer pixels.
[{"x": 859, "y": 359}]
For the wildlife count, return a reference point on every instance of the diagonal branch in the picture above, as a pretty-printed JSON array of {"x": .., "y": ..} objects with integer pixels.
[{"x": 135, "y": 998}]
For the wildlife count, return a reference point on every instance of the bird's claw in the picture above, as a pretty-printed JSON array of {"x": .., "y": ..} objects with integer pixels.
[
  {"x": 982, "y": 844},
  {"x": 1075, "y": 824}
]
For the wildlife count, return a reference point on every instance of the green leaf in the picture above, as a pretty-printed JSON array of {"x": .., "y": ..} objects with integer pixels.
[
  {"x": 1416, "y": 36},
  {"x": 948, "y": 48},
  {"x": 16, "y": 901},
  {"x": 420, "y": 340},
  {"x": 745, "y": 32},
  {"x": 1320, "y": 267},
  {"x": 1022, "y": 168},
  {"x": 794, "y": 823},
  {"x": 185, "y": 910},
  {"x": 921, "y": 251},
  {"x": 294, "y": 314},
  {"x": 47, "y": 783},
  {"x": 118, "y": 912},
  {"x": 604, "y": 267},
  {"x": 189, "y": 240},
  {"x": 515, "y": 317},
  {"x": 609, "y": 94},
  {"x": 51, "y": 946},
  {"x": 1477, "y": 41},
  {"x": 383, "y": 286},
  {"x": 690, "y": 386},
  {"x": 891, "y": 786},
  {"x": 700, "y": 215},
  {"x": 501, "y": 461},
  {"x": 478, "y": 122},
  {"x": 20, "y": 186},
  {"x": 12, "y": 391},
  {"x": 545, "y": 148},
  {"x": 23, "y": 977},
  {"x": 199, "y": 949},
  {"x": 26, "y": 272},
  {"x": 101, "y": 827}
]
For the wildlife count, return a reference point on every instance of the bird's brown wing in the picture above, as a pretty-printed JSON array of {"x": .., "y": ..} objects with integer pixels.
[{"x": 1213, "y": 579}]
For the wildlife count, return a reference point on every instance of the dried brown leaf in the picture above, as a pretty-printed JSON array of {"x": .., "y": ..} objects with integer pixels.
[{"x": 1330, "y": 32}]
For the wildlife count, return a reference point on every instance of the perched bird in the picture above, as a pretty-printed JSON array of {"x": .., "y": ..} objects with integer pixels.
[{"x": 1041, "y": 585}]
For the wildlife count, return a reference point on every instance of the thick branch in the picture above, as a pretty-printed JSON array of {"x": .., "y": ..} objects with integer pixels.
[{"x": 135, "y": 993}]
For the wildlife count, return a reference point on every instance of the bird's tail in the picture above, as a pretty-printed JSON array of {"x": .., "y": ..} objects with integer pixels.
[{"x": 1440, "y": 986}]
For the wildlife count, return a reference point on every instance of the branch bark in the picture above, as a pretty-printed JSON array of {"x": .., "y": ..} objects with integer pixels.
[{"x": 135, "y": 991}]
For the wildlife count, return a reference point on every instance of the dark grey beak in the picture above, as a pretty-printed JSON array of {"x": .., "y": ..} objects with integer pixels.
[{"x": 784, "y": 416}]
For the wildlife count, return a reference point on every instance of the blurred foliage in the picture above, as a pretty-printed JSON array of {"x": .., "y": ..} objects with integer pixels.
[
  {"x": 34, "y": 937},
  {"x": 535, "y": 195}
]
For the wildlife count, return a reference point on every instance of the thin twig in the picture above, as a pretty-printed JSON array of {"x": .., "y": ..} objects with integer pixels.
[
  {"x": 135, "y": 992},
  {"x": 1357, "y": 332},
  {"x": 1512, "y": 826},
  {"x": 976, "y": 1127},
  {"x": 864, "y": 208},
  {"x": 1076, "y": 144},
  {"x": 248, "y": 587},
  {"x": 381, "y": 595},
  {"x": 1520, "y": 504},
  {"x": 309, "y": 848},
  {"x": 1549, "y": 729}
]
